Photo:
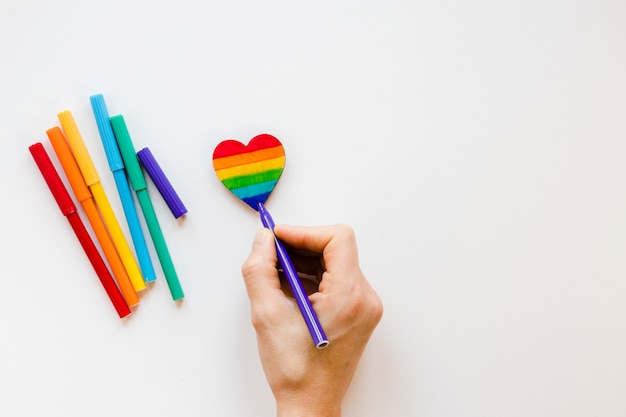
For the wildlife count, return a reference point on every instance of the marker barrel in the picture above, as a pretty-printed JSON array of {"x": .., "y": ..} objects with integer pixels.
[{"x": 299, "y": 293}]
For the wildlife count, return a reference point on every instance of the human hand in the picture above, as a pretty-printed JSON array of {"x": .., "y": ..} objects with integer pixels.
[{"x": 305, "y": 381}]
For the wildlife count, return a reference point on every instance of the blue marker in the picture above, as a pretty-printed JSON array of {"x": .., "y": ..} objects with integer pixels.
[{"x": 117, "y": 167}]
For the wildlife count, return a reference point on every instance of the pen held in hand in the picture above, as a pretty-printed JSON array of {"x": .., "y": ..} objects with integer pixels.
[
  {"x": 251, "y": 172},
  {"x": 300, "y": 295}
]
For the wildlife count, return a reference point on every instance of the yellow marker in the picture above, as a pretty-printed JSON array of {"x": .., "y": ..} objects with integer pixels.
[{"x": 88, "y": 169}]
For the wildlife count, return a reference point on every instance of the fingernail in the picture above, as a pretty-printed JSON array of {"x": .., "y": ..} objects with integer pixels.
[{"x": 262, "y": 235}]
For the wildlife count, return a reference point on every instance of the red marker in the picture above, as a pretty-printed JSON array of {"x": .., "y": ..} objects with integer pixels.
[{"x": 68, "y": 209}]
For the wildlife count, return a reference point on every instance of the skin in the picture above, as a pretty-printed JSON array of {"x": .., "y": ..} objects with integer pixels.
[{"x": 305, "y": 381}]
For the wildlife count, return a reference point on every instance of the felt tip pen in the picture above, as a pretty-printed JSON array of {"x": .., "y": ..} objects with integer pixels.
[
  {"x": 138, "y": 182},
  {"x": 302, "y": 299},
  {"x": 162, "y": 183},
  {"x": 114, "y": 158},
  {"x": 90, "y": 174},
  {"x": 84, "y": 197},
  {"x": 69, "y": 210}
]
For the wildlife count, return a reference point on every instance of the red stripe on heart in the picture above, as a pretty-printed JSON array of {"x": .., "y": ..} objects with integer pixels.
[{"x": 233, "y": 147}]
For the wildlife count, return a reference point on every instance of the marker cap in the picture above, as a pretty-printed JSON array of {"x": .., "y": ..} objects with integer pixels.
[
  {"x": 162, "y": 183},
  {"x": 78, "y": 147},
  {"x": 133, "y": 170},
  {"x": 68, "y": 162},
  {"x": 101, "y": 114},
  {"x": 52, "y": 178}
]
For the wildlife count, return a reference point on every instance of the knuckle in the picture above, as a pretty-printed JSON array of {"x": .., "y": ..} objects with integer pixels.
[
  {"x": 346, "y": 231},
  {"x": 377, "y": 309},
  {"x": 264, "y": 315},
  {"x": 251, "y": 267},
  {"x": 365, "y": 306}
]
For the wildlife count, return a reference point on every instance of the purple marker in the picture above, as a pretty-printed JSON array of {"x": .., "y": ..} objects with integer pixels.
[
  {"x": 297, "y": 289},
  {"x": 162, "y": 183}
]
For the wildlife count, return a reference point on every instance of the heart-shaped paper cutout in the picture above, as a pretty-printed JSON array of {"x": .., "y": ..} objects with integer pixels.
[{"x": 250, "y": 171}]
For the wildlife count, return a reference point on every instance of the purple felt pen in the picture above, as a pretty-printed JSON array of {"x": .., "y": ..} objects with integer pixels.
[
  {"x": 162, "y": 183},
  {"x": 295, "y": 284}
]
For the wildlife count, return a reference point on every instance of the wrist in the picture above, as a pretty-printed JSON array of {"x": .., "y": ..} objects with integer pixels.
[{"x": 284, "y": 410}]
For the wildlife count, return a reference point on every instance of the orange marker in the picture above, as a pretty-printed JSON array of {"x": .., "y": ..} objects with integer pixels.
[{"x": 83, "y": 195}]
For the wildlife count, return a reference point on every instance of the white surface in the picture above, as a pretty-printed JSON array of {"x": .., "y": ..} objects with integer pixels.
[{"x": 476, "y": 147}]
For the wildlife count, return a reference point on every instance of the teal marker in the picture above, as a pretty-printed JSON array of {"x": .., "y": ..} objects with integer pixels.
[
  {"x": 117, "y": 167},
  {"x": 138, "y": 182}
]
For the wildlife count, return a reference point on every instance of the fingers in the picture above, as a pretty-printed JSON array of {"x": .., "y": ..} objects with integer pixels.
[
  {"x": 344, "y": 294},
  {"x": 337, "y": 244},
  {"x": 306, "y": 264}
]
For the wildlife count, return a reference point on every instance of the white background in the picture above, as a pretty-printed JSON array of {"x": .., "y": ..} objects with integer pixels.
[{"x": 477, "y": 148}]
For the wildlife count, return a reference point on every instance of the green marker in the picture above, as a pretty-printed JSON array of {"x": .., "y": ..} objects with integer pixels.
[{"x": 138, "y": 182}]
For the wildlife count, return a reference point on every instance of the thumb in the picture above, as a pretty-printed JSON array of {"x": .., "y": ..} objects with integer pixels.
[{"x": 259, "y": 269}]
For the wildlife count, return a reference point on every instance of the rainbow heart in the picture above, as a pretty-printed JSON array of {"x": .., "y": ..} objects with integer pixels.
[{"x": 250, "y": 171}]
